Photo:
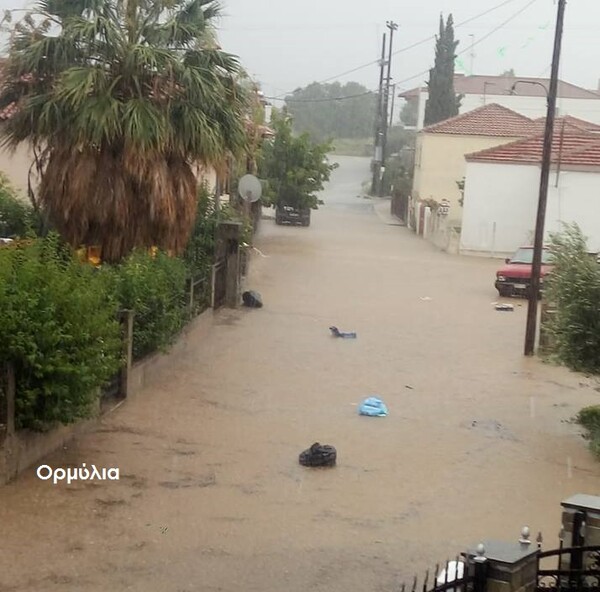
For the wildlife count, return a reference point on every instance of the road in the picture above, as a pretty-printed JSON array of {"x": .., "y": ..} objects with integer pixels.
[{"x": 211, "y": 496}]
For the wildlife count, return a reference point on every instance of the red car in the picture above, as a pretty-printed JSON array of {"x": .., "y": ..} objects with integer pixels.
[{"x": 515, "y": 276}]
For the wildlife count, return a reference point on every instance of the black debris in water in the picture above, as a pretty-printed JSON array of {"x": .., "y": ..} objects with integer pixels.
[
  {"x": 252, "y": 299},
  {"x": 318, "y": 455}
]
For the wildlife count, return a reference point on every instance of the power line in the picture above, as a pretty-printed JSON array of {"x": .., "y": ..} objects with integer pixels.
[
  {"x": 408, "y": 47},
  {"x": 323, "y": 100},
  {"x": 424, "y": 72},
  {"x": 480, "y": 40}
]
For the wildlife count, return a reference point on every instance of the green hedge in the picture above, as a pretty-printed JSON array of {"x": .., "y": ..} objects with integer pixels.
[
  {"x": 154, "y": 288},
  {"x": 589, "y": 418},
  {"x": 573, "y": 288},
  {"x": 59, "y": 328}
]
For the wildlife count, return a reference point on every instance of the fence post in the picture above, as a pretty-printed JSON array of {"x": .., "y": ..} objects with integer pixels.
[
  {"x": 190, "y": 291},
  {"x": 481, "y": 565},
  {"x": 7, "y": 421},
  {"x": 126, "y": 317},
  {"x": 509, "y": 567}
]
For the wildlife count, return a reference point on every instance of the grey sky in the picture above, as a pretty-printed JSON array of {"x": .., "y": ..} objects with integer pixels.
[{"x": 289, "y": 43}]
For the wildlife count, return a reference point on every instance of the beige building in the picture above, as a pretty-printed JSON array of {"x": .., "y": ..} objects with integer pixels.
[{"x": 440, "y": 150}]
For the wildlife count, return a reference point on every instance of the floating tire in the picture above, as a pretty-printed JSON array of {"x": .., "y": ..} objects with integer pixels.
[{"x": 318, "y": 456}]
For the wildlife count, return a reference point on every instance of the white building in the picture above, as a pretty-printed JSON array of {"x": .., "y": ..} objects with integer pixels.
[
  {"x": 524, "y": 95},
  {"x": 502, "y": 187}
]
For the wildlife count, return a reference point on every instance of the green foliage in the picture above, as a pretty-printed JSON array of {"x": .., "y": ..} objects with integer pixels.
[
  {"x": 409, "y": 113},
  {"x": 294, "y": 168},
  {"x": 398, "y": 174},
  {"x": 315, "y": 113},
  {"x": 443, "y": 102},
  {"x": 153, "y": 286},
  {"x": 573, "y": 288},
  {"x": 199, "y": 255},
  {"x": 58, "y": 326},
  {"x": 17, "y": 217},
  {"x": 119, "y": 99},
  {"x": 509, "y": 73},
  {"x": 353, "y": 146},
  {"x": 589, "y": 418}
]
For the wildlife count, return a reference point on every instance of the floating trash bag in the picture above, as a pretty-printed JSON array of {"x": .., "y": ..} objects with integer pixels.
[
  {"x": 318, "y": 455},
  {"x": 373, "y": 407},
  {"x": 252, "y": 299}
]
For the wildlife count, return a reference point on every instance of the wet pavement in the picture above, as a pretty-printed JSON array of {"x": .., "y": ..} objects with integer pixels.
[{"x": 211, "y": 497}]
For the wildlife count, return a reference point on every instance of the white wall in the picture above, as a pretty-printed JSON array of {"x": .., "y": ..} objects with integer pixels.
[
  {"x": 501, "y": 205},
  {"x": 577, "y": 199},
  {"x": 499, "y": 208}
]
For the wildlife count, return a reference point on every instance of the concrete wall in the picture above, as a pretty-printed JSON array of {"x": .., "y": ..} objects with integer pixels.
[
  {"x": 440, "y": 163},
  {"x": 24, "y": 449},
  {"x": 501, "y": 204},
  {"x": 16, "y": 167}
]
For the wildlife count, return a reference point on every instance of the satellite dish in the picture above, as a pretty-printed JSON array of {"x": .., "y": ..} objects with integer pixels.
[{"x": 250, "y": 188}]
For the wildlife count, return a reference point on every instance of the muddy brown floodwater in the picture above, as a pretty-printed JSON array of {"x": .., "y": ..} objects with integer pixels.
[{"x": 211, "y": 496}]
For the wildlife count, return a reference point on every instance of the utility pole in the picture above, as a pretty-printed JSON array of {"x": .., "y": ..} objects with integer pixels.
[
  {"x": 392, "y": 26},
  {"x": 534, "y": 288},
  {"x": 391, "y": 124},
  {"x": 378, "y": 125}
]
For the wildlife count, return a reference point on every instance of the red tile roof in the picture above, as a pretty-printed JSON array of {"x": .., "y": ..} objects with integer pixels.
[
  {"x": 572, "y": 124},
  {"x": 580, "y": 149},
  {"x": 488, "y": 120},
  {"x": 501, "y": 85}
]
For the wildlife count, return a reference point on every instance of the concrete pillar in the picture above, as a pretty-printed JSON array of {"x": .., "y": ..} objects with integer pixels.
[
  {"x": 228, "y": 249},
  {"x": 511, "y": 567},
  {"x": 581, "y": 520}
]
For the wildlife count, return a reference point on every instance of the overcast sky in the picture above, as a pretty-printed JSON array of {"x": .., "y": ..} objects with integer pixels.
[{"x": 290, "y": 43}]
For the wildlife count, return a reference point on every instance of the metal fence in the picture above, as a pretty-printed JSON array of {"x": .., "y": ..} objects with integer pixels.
[{"x": 463, "y": 574}]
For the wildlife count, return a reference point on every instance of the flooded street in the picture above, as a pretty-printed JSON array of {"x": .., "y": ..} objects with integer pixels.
[{"x": 211, "y": 496}]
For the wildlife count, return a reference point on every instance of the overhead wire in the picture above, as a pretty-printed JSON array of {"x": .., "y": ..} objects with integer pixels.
[
  {"x": 406, "y": 48},
  {"x": 480, "y": 40}
]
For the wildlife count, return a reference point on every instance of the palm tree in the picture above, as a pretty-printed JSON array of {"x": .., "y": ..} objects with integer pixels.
[{"x": 121, "y": 98}]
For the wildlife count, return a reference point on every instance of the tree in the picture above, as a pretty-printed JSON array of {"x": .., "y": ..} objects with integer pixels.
[
  {"x": 120, "y": 98},
  {"x": 294, "y": 168},
  {"x": 509, "y": 73},
  {"x": 443, "y": 102},
  {"x": 409, "y": 113},
  {"x": 321, "y": 111}
]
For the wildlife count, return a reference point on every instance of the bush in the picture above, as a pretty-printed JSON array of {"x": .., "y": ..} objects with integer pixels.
[
  {"x": 589, "y": 418},
  {"x": 17, "y": 217},
  {"x": 59, "y": 328},
  {"x": 153, "y": 286},
  {"x": 573, "y": 287},
  {"x": 200, "y": 252}
]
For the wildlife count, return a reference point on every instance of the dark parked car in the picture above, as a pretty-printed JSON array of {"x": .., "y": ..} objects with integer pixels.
[{"x": 292, "y": 215}]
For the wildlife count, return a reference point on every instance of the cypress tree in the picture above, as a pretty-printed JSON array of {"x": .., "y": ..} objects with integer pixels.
[{"x": 443, "y": 102}]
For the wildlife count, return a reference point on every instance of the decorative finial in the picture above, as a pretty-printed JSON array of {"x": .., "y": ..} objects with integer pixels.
[{"x": 525, "y": 534}]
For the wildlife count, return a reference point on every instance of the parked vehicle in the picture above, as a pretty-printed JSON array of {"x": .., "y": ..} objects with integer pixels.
[
  {"x": 292, "y": 215},
  {"x": 514, "y": 278}
]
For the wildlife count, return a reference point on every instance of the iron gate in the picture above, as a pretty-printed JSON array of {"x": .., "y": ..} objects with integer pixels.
[{"x": 569, "y": 569}]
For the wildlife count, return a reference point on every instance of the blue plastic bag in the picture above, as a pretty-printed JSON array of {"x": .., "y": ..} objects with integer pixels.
[{"x": 373, "y": 407}]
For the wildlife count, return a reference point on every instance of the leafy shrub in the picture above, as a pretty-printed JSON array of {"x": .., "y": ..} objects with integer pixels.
[
  {"x": 589, "y": 418},
  {"x": 200, "y": 252},
  {"x": 153, "y": 286},
  {"x": 16, "y": 216},
  {"x": 58, "y": 326},
  {"x": 574, "y": 289}
]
